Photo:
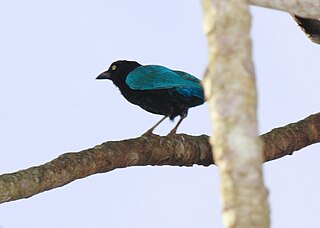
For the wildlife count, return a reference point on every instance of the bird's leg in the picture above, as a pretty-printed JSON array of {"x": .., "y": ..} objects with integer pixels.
[
  {"x": 156, "y": 125},
  {"x": 174, "y": 130}
]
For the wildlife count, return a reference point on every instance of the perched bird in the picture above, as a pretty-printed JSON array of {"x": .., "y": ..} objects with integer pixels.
[{"x": 156, "y": 89}]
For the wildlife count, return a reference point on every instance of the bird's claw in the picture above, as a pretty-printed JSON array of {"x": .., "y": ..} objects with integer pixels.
[{"x": 172, "y": 133}]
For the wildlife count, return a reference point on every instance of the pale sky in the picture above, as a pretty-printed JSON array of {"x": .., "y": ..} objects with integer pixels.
[{"x": 51, "y": 53}]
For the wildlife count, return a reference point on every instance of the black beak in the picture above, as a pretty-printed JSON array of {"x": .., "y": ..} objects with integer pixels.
[{"x": 104, "y": 75}]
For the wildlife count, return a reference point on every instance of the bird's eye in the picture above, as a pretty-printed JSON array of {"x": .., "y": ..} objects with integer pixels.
[{"x": 114, "y": 67}]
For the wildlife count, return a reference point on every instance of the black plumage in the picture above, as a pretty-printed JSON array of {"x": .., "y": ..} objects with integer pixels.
[{"x": 156, "y": 89}]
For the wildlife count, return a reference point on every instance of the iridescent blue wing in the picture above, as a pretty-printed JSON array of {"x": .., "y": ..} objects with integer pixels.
[{"x": 152, "y": 77}]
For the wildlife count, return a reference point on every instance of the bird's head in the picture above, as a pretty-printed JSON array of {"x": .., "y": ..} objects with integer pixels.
[{"x": 118, "y": 70}]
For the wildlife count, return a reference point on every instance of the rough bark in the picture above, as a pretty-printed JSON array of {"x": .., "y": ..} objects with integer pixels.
[{"x": 179, "y": 150}]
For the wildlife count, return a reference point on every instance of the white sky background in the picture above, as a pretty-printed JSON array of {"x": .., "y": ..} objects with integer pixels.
[{"x": 50, "y": 54}]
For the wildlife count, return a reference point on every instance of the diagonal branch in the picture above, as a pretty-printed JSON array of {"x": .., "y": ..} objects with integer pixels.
[
  {"x": 303, "y": 8},
  {"x": 179, "y": 150},
  {"x": 305, "y": 12}
]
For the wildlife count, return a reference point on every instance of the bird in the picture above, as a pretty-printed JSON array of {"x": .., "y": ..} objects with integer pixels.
[{"x": 156, "y": 89}]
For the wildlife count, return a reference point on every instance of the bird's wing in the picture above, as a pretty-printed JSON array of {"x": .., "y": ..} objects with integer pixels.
[
  {"x": 187, "y": 76},
  {"x": 158, "y": 77},
  {"x": 195, "y": 90}
]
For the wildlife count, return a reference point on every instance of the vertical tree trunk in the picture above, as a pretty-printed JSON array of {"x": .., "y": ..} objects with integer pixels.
[{"x": 231, "y": 93}]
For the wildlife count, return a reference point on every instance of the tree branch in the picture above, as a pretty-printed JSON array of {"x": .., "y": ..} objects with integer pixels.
[
  {"x": 230, "y": 91},
  {"x": 179, "y": 150},
  {"x": 302, "y": 8}
]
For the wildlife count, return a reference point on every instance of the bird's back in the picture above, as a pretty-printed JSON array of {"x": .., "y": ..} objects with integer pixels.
[{"x": 160, "y": 90}]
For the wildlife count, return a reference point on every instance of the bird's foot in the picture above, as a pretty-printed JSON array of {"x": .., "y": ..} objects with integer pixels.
[{"x": 173, "y": 132}]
